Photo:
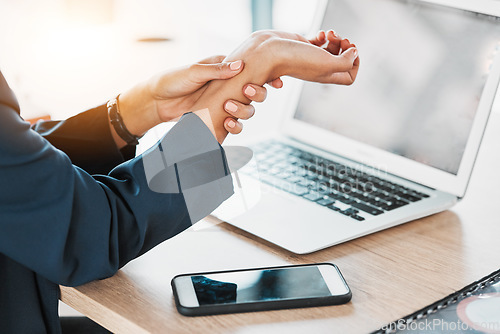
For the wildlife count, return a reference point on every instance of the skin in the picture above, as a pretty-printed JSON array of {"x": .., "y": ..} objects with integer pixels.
[
  {"x": 208, "y": 88},
  {"x": 168, "y": 95},
  {"x": 268, "y": 55}
]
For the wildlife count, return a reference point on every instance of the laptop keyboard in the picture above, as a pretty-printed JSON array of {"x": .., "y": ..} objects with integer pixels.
[{"x": 341, "y": 188}]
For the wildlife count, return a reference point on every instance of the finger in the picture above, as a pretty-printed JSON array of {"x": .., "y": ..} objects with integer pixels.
[
  {"x": 239, "y": 110},
  {"x": 345, "y": 61},
  {"x": 345, "y": 44},
  {"x": 276, "y": 83},
  {"x": 232, "y": 126},
  {"x": 356, "y": 61},
  {"x": 319, "y": 39},
  {"x": 351, "y": 62},
  {"x": 334, "y": 42},
  {"x": 202, "y": 73},
  {"x": 255, "y": 93},
  {"x": 355, "y": 67},
  {"x": 319, "y": 65},
  {"x": 213, "y": 59},
  {"x": 357, "y": 54}
]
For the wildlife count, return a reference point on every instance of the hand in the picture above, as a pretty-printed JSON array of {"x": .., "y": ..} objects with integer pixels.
[
  {"x": 169, "y": 95},
  {"x": 327, "y": 58},
  {"x": 337, "y": 46},
  {"x": 268, "y": 55},
  {"x": 331, "y": 42},
  {"x": 238, "y": 110}
]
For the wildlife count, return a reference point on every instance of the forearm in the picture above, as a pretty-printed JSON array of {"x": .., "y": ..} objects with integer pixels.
[
  {"x": 86, "y": 227},
  {"x": 267, "y": 55},
  {"x": 87, "y": 139},
  {"x": 135, "y": 107},
  {"x": 272, "y": 54}
]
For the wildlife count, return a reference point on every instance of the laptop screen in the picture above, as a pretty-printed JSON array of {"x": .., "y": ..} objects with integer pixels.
[{"x": 423, "y": 69}]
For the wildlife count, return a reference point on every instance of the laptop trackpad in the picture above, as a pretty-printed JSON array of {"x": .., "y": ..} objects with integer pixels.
[{"x": 288, "y": 221}]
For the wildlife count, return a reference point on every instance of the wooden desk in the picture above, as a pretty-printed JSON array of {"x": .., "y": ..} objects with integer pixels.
[{"x": 391, "y": 273}]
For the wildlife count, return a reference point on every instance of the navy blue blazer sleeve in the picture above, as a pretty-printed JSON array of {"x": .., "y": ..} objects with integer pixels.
[
  {"x": 66, "y": 225},
  {"x": 87, "y": 140}
]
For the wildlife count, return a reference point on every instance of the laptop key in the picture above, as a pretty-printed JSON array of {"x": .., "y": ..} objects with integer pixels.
[
  {"x": 305, "y": 183},
  {"x": 358, "y": 218},
  {"x": 346, "y": 213},
  {"x": 313, "y": 196},
  {"x": 422, "y": 194},
  {"x": 351, "y": 211},
  {"x": 394, "y": 205},
  {"x": 311, "y": 176},
  {"x": 343, "y": 199},
  {"x": 334, "y": 208},
  {"x": 294, "y": 179},
  {"x": 377, "y": 203},
  {"x": 284, "y": 185},
  {"x": 296, "y": 189},
  {"x": 411, "y": 198},
  {"x": 284, "y": 176},
  {"x": 325, "y": 201},
  {"x": 366, "y": 208}
]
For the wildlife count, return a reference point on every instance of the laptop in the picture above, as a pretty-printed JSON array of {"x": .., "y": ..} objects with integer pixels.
[{"x": 397, "y": 145}]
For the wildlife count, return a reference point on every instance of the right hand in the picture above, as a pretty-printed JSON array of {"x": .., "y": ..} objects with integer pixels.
[
  {"x": 339, "y": 47},
  {"x": 268, "y": 55},
  {"x": 327, "y": 58}
]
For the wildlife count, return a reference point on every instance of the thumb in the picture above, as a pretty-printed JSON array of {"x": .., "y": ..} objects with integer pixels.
[
  {"x": 346, "y": 69},
  {"x": 347, "y": 59},
  {"x": 202, "y": 73}
]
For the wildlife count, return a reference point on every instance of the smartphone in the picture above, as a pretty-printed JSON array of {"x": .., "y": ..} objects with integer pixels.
[{"x": 260, "y": 289}]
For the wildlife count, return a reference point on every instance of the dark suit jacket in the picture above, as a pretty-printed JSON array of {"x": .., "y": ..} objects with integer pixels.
[{"x": 59, "y": 224}]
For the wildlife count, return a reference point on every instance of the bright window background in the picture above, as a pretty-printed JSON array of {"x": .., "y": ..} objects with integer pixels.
[{"x": 65, "y": 56}]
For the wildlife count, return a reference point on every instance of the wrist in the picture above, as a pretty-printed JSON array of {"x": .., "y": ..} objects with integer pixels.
[
  {"x": 276, "y": 56},
  {"x": 119, "y": 131},
  {"x": 120, "y": 143},
  {"x": 138, "y": 110}
]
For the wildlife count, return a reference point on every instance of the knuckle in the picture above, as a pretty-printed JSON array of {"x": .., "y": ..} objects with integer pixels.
[
  {"x": 219, "y": 58},
  {"x": 194, "y": 67},
  {"x": 220, "y": 67},
  {"x": 347, "y": 64},
  {"x": 347, "y": 82},
  {"x": 262, "y": 35}
]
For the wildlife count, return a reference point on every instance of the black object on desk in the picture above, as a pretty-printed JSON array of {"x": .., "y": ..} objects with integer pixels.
[{"x": 473, "y": 309}]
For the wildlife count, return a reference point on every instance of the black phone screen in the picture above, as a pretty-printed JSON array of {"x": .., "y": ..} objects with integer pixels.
[{"x": 260, "y": 285}]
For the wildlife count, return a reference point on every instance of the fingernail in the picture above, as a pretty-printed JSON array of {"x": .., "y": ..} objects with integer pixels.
[
  {"x": 230, "y": 106},
  {"x": 231, "y": 124},
  {"x": 335, "y": 33},
  {"x": 250, "y": 91},
  {"x": 235, "y": 65},
  {"x": 355, "y": 53}
]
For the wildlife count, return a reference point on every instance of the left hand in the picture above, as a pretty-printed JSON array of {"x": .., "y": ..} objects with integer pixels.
[
  {"x": 236, "y": 109},
  {"x": 169, "y": 95},
  {"x": 239, "y": 110}
]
